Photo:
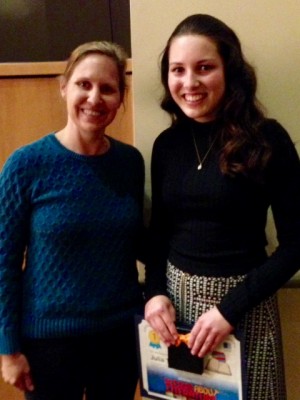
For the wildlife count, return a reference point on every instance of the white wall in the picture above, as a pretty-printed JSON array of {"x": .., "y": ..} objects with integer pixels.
[{"x": 270, "y": 34}]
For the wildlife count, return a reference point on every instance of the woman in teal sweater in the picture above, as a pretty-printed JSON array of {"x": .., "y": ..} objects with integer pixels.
[{"x": 72, "y": 202}]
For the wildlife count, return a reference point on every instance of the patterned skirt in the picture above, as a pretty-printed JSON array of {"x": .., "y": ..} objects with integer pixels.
[{"x": 259, "y": 331}]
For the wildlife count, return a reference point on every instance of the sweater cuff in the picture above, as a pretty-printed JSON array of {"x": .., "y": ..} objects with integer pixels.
[
  {"x": 9, "y": 342},
  {"x": 149, "y": 293}
]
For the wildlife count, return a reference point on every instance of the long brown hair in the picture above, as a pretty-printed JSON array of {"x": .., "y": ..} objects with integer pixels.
[{"x": 240, "y": 115}]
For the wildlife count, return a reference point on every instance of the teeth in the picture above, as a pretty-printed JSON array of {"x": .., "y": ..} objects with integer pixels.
[
  {"x": 194, "y": 97},
  {"x": 92, "y": 113}
]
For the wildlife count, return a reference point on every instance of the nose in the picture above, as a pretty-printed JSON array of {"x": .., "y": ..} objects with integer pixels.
[
  {"x": 95, "y": 96},
  {"x": 191, "y": 80}
]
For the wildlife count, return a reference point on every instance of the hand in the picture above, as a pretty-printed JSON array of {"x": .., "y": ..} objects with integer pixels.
[
  {"x": 16, "y": 371},
  {"x": 208, "y": 332},
  {"x": 160, "y": 314}
]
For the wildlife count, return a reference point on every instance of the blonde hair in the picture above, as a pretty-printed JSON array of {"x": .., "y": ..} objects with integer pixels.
[{"x": 109, "y": 49}]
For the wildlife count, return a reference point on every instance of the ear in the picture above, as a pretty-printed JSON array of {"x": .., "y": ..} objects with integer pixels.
[{"x": 63, "y": 87}]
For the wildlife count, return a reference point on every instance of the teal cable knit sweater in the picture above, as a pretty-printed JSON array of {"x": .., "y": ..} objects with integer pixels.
[{"x": 78, "y": 219}]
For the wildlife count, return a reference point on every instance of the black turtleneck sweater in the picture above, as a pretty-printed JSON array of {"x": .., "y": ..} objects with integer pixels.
[{"x": 207, "y": 223}]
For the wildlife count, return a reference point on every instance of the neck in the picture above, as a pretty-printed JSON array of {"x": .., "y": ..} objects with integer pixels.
[{"x": 79, "y": 143}]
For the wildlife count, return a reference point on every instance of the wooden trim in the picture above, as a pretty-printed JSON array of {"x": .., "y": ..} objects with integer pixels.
[
  {"x": 31, "y": 69},
  {"x": 39, "y": 68}
]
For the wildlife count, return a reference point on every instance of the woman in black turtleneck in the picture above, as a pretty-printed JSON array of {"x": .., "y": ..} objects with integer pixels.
[{"x": 215, "y": 172}]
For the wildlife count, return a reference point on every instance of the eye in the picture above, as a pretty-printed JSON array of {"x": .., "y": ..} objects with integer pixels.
[
  {"x": 84, "y": 84},
  {"x": 176, "y": 70},
  {"x": 108, "y": 89},
  {"x": 205, "y": 67}
]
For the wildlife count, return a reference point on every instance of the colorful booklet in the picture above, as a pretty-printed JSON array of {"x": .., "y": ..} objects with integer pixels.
[{"x": 172, "y": 372}]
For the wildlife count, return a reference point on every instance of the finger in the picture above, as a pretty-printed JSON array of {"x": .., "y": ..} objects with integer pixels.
[
  {"x": 164, "y": 323},
  {"x": 160, "y": 327},
  {"x": 209, "y": 345},
  {"x": 28, "y": 382},
  {"x": 204, "y": 342},
  {"x": 206, "y": 348},
  {"x": 197, "y": 336},
  {"x": 198, "y": 343},
  {"x": 170, "y": 324},
  {"x": 19, "y": 384},
  {"x": 163, "y": 330}
]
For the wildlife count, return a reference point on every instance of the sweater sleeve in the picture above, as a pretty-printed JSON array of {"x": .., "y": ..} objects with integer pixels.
[
  {"x": 283, "y": 185},
  {"x": 158, "y": 248},
  {"x": 14, "y": 220}
]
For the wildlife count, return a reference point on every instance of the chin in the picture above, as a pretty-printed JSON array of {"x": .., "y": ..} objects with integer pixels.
[{"x": 201, "y": 117}]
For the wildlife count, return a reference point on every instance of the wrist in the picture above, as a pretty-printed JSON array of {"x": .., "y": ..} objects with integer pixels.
[{"x": 13, "y": 356}]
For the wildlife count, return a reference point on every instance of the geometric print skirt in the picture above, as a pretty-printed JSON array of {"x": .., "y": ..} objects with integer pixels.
[{"x": 259, "y": 331}]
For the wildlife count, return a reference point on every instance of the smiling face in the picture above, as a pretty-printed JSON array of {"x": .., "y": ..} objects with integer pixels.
[
  {"x": 92, "y": 94},
  {"x": 196, "y": 77}
]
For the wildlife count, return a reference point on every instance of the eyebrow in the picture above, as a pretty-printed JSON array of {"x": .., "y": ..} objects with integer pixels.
[
  {"x": 82, "y": 78},
  {"x": 205, "y": 60}
]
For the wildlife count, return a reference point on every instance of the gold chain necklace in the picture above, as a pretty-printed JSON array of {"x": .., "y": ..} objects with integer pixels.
[{"x": 201, "y": 161}]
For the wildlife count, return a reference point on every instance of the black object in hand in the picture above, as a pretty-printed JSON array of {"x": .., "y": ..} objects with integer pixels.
[{"x": 180, "y": 357}]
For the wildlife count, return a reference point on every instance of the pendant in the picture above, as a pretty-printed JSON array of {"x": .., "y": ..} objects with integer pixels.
[{"x": 199, "y": 167}]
